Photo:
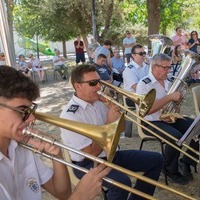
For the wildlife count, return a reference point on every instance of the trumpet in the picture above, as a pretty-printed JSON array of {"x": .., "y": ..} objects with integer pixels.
[
  {"x": 83, "y": 129},
  {"x": 151, "y": 124}
]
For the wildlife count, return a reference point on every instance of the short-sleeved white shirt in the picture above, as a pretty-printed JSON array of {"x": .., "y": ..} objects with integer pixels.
[
  {"x": 22, "y": 174},
  {"x": 81, "y": 111},
  {"x": 61, "y": 62},
  {"x": 145, "y": 85},
  {"x": 133, "y": 73},
  {"x": 128, "y": 41}
]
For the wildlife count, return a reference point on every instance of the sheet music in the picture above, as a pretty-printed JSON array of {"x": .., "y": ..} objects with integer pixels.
[{"x": 192, "y": 132}]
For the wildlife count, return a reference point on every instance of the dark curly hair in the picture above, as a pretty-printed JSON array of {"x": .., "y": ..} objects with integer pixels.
[{"x": 13, "y": 84}]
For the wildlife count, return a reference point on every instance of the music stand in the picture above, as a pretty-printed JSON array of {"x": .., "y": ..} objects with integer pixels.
[{"x": 193, "y": 132}]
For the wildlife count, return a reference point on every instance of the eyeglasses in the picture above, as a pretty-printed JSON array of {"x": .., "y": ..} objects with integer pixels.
[
  {"x": 166, "y": 68},
  {"x": 91, "y": 82},
  {"x": 25, "y": 113},
  {"x": 193, "y": 33},
  {"x": 128, "y": 33},
  {"x": 141, "y": 53}
]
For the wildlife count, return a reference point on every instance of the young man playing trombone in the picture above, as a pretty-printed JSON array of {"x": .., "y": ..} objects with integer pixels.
[
  {"x": 22, "y": 173},
  {"x": 85, "y": 106}
]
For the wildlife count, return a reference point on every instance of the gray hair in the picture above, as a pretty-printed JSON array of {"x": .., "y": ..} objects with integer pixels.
[{"x": 158, "y": 58}]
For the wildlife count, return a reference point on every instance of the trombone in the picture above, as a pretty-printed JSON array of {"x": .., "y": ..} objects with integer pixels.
[
  {"x": 147, "y": 122},
  {"x": 88, "y": 131}
]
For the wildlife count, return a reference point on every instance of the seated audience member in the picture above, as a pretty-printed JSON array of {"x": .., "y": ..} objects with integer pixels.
[
  {"x": 36, "y": 67},
  {"x": 176, "y": 55},
  {"x": 23, "y": 66},
  {"x": 103, "y": 71},
  {"x": 135, "y": 71},
  {"x": 194, "y": 41},
  {"x": 118, "y": 66},
  {"x": 59, "y": 65},
  {"x": 92, "y": 47},
  {"x": 85, "y": 106},
  {"x": 179, "y": 39},
  {"x": 157, "y": 79},
  {"x": 195, "y": 74},
  {"x": 2, "y": 59},
  {"x": 23, "y": 174},
  {"x": 105, "y": 49}
]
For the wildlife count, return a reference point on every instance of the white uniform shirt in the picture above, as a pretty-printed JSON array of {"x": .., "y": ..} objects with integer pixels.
[
  {"x": 30, "y": 173},
  {"x": 59, "y": 62},
  {"x": 35, "y": 64},
  {"x": 81, "y": 111},
  {"x": 133, "y": 73},
  {"x": 148, "y": 83},
  {"x": 128, "y": 41}
]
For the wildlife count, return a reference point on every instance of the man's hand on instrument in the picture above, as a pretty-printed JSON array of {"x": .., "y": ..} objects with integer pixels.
[
  {"x": 90, "y": 186},
  {"x": 113, "y": 113}
]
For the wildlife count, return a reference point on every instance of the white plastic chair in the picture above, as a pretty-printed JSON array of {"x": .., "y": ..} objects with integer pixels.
[
  {"x": 146, "y": 138},
  {"x": 73, "y": 178},
  {"x": 196, "y": 97}
]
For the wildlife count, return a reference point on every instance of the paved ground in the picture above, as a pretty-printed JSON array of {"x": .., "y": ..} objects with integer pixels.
[{"x": 56, "y": 93}]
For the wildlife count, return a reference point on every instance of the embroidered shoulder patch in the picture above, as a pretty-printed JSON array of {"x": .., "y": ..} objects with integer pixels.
[
  {"x": 146, "y": 80},
  {"x": 130, "y": 66},
  {"x": 73, "y": 108}
]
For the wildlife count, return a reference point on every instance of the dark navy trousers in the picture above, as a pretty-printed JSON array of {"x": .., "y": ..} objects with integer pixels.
[
  {"x": 177, "y": 130},
  {"x": 150, "y": 163}
]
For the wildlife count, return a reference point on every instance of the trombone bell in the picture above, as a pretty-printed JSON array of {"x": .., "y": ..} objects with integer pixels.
[{"x": 107, "y": 136}]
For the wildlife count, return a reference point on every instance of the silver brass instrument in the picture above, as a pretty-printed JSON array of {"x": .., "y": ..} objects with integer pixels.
[
  {"x": 179, "y": 84},
  {"x": 159, "y": 43}
]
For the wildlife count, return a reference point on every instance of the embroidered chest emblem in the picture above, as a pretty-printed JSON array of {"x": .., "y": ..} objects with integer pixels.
[
  {"x": 33, "y": 185},
  {"x": 73, "y": 108}
]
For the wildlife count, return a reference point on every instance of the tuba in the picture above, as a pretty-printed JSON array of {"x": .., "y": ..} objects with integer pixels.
[
  {"x": 190, "y": 60},
  {"x": 159, "y": 43}
]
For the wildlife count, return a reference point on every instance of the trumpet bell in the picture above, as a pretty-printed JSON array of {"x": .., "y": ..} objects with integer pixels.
[{"x": 107, "y": 136}]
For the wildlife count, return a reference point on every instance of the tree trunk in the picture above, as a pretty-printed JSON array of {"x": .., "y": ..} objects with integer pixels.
[
  {"x": 64, "y": 49},
  {"x": 85, "y": 43},
  {"x": 153, "y": 8}
]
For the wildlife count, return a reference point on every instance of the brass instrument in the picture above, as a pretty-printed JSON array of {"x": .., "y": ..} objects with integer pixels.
[
  {"x": 108, "y": 137},
  {"x": 159, "y": 43},
  {"x": 179, "y": 84},
  {"x": 152, "y": 125},
  {"x": 144, "y": 102},
  {"x": 83, "y": 129}
]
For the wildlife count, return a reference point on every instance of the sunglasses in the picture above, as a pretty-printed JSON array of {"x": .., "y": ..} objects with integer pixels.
[
  {"x": 141, "y": 53},
  {"x": 92, "y": 82},
  {"x": 25, "y": 113},
  {"x": 128, "y": 33},
  {"x": 166, "y": 68}
]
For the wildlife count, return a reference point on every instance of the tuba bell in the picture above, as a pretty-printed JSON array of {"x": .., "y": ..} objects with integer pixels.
[
  {"x": 190, "y": 60},
  {"x": 159, "y": 43}
]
